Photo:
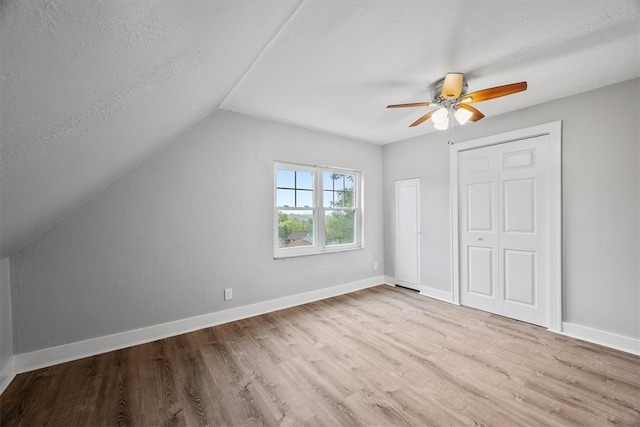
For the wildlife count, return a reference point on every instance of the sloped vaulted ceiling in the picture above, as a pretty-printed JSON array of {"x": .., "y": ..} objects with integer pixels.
[{"x": 90, "y": 88}]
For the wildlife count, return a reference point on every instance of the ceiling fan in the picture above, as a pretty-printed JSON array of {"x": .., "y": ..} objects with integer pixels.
[{"x": 450, "y": 95}]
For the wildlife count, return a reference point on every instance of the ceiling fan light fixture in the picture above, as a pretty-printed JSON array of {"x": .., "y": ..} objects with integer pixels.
[
  {"x": 463, "y": 116},
  {"x": 443, "y": 125},
  {"x": 441, "y": 115}
]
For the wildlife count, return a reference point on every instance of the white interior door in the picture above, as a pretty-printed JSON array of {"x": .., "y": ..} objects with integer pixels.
[
  {"x": 407, "y": 214},
  {"x": 503, "y": 229}
]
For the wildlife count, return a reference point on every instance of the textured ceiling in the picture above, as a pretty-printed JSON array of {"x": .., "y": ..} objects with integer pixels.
[
  {"x": 90, "y": 88},
  {"x": 334, "y": 67}
]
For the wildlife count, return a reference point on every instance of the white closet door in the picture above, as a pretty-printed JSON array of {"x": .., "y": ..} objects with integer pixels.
[
  {"x": 407, "y": 244},
  {"x": 504, "y": 234}
]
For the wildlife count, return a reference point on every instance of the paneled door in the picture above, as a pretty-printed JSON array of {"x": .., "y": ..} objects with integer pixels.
[
  {"x": 503, "y": 229},
  {"x": 407, "y": 244}
]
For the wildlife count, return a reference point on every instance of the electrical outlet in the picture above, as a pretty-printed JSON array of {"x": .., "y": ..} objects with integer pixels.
[
  {"x": 228, "y": 294},
  {"x": 375, "y": 265}
]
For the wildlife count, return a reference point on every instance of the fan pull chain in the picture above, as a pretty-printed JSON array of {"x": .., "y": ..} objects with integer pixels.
[{"x": 450, "y": 142}]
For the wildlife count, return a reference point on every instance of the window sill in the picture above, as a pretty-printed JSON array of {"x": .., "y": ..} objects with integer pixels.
[{"x": 336, "y": 251}]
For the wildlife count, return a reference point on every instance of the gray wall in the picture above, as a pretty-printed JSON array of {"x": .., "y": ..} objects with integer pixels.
[
  {"x": 601, "y": 201},
  {"x": 426, "y": 158},
  {"x": 162, "y": 242},
  {"x": 6, "y": 320}
]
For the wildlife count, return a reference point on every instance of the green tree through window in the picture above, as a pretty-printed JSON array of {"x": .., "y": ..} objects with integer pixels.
[
  {"x": 340, "y": 215},
  {"x": 290, "y": 223}
]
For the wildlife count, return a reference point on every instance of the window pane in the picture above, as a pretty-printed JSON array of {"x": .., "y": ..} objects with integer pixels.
[
  {"x": 339, "y": 227},
  {"x": 327, "y": 200},
  {"x": 295, "y": 228},
  {"x": 348, "y": 182},
  {"x": 338, "y": 190},
  {"x": 304, "y": 180},
  {"x": 335, "y": 181},
  {"x": 304, "y": 198},
  {"x": 338, "y": 181},
  {"x": 346, "y": 199},
  {"x": 285, "y": 197},
  {"x": 338, "y": 199},
  {"x": 327, "y": 180},
  {"x": 285, "y": 178}
]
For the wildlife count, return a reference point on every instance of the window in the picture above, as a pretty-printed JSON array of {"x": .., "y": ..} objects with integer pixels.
[{"x": 317, "y": 210}]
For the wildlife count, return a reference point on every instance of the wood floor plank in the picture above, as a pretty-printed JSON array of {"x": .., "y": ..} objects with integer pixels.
[{"x": 382, "y": 357}]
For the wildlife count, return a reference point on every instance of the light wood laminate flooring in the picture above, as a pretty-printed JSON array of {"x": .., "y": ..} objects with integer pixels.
[{"x": 382, "y": 357}]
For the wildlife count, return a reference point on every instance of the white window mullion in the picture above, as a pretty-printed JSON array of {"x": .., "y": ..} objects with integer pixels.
[{"x": 320, "y": 205}]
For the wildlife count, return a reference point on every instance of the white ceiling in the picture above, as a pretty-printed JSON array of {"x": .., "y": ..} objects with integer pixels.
[
  {"x": 91, "y": 88},
  {"x": 334, "y": 67}
]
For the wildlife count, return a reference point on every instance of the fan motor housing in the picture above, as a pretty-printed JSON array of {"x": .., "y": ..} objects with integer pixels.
[{"x": 436, "y": 90}]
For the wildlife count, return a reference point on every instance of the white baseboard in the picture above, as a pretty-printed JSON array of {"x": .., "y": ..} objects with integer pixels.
[
  {"x": 388, "y": 280},
  {"x": 437, "y": 294},
  {"x": 64, "y": 353},
  {"x": 7, "y": 374},
  {"x": 607, "y": 339}
]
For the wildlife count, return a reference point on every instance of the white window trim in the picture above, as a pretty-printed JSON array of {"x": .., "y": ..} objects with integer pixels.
[{"x": 319, "y": 212}]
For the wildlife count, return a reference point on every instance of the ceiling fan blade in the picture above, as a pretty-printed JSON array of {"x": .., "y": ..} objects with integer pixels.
[
  {"x": 423, "y": 118},
  {"x": 494, "y": 92},
  {"x": 452, "y": 85},
  {"x": 477, "y": 115},
  {"x": 413, "y": 104}
]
